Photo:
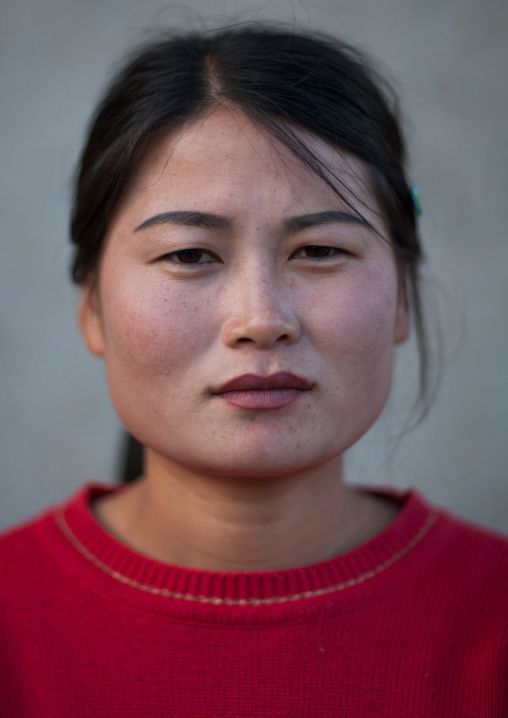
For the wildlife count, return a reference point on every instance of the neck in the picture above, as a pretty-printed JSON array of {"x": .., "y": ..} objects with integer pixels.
[{"x": 241, "y": 524}]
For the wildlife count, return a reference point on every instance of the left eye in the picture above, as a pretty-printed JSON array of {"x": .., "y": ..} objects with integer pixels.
[
  {"x": 189, "y": 256},
  {"x": 315, "y": 251}
]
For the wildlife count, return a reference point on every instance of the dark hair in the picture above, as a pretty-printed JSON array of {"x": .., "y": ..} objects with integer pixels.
[{"x": 284, "y": 81}]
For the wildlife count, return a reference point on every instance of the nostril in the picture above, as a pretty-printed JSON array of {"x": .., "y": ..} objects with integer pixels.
[{"x": 261, "y": 329}]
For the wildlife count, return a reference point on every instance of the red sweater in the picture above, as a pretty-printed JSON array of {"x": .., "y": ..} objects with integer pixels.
[{"x": 413, "y": 623}]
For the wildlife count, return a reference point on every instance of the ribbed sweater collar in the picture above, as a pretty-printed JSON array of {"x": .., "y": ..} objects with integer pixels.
[{"x": 116, "y": 567}]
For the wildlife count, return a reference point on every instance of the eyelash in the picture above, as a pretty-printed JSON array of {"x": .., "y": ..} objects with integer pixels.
[
  {"x": 332, "y": 251},
  {"x": 173, "y": 256},
  {"x": 198, "y": 254}
]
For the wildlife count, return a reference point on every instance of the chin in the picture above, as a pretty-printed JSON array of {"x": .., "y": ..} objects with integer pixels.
[{"x": 267, "y": 460}]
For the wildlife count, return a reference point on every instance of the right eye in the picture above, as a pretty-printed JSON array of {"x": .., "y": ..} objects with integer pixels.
[
  {"x": 318, "y": 251},
  {"x": 189, "y": 256}
]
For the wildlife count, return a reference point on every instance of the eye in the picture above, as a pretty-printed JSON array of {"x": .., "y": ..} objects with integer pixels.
[
  {"x": 315, "y": 251},
  {"x": 189, "y": 256}
]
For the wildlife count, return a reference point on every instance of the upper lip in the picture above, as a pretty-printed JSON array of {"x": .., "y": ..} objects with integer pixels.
[{"x": 256, "y": 382}]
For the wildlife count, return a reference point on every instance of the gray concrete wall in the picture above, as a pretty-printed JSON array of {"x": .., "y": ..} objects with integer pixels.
[{"x": 449, "y": 59}]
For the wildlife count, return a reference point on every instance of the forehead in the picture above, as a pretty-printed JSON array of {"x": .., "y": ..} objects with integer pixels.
[{"x": 224, "y": 154}]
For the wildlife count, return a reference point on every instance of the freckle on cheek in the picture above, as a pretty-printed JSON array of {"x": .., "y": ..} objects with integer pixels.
[{"x": 160, "y": 336}]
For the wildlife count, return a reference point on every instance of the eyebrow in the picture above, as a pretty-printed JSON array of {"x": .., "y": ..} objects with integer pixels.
[
  {"x": 216, "y": 223},
  {"x": 298, "y": 224},
  {"x": 188, "y": 219}
]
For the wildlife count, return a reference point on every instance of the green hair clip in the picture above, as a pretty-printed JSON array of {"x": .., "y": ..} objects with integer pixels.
[{"x": 416, "y": 200}]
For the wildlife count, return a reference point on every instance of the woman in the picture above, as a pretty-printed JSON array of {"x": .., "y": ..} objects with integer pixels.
[{"x": 247, "y": 249}]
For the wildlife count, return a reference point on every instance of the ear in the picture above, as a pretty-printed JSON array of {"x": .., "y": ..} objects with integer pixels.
[
  {"x": 402, "y": 323},
  {"x": 89, "y": 320}
]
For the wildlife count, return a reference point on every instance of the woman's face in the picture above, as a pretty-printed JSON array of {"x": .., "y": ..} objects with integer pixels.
[{"x": 227, "y": 261}]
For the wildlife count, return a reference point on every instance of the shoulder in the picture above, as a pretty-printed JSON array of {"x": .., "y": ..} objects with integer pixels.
[
  {"x": 468, "y": 564},
  {"x": 22, "y": 542},
  {"x": 461, "y": 544},
  {"x": 454, "y": 556},
  {"x": 451, "y": 579},
  {"x": 33, "y": 553},
  {"x": 455, "y": 537},
  {"x": 472, "y": 543},
  {"x": 24, "y": 549},
  {"x": 27, "y": 572}
]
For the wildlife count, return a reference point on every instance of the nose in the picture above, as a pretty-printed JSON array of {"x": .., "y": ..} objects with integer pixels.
[{"x": 258, "y": 314}]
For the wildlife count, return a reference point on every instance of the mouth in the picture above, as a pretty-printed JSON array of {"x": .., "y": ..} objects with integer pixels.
[{"x": 251, "y": 391}]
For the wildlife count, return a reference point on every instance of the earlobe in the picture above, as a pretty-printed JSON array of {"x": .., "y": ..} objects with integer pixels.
[
  {"x": 402, "y": 322},
  {"x": 90, "y": 322}
]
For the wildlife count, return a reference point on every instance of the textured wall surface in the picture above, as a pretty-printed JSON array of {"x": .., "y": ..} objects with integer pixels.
[{"x": 449, "y": 62}]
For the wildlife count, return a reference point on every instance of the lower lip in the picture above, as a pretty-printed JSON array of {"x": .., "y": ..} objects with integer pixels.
[{"x": 261, "y": 398}]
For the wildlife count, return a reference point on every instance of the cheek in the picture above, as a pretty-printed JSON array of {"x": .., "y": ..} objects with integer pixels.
[
  {"x": 369, "y": 319},
  {"x": 359, "y": 347},
  {"x": 360, "y": 313},
  {"x": 355, "y": 328},
  {"x": 153, "y": 328}
]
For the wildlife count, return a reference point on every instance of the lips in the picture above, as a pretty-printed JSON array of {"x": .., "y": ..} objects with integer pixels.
[{"x": 251, "y": 391}]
